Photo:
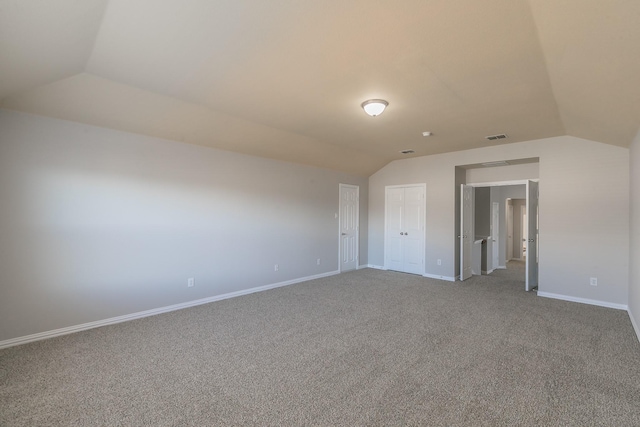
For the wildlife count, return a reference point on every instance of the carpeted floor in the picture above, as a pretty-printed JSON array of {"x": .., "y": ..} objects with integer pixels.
[{"x": 362, "y": 348}]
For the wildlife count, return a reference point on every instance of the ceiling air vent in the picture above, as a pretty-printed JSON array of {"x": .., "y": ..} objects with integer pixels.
[
  {"x": 494, "y": 137},
  {"x": 407, "y": 151}
]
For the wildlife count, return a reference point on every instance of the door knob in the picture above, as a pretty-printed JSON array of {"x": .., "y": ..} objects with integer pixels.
[
  {"x": 531, "y": 240},
  {"x": 401, "y": 233},
  {"x": 344, "y": 234},
  {"x": 406, "y": 234}
]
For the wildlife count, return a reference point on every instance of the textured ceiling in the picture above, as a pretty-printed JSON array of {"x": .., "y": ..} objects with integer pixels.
[{"x": 284, "y": 79}]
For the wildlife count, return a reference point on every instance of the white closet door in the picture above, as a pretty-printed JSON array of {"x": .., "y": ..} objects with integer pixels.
[
  {"x": 413, "y": 230},
  {"x": 404, "y": 236}
]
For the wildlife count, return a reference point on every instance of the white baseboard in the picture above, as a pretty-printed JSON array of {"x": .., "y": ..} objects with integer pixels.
[
  {"x": 635, "y": 324},
  {"x": 377, "y": 267},
  {"x": 119, "y": 319},
  {"x": 487, "y": 272},
  {"x": 435, "y": 276},
  {"x": 584, "y": 300},
  {"x": 501, "y": 267}
]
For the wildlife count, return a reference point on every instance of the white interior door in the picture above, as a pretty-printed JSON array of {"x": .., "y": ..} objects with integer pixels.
[
  {"x": 495, "y": 234},
  {"x": 349, "y": 217},
  {"x": 404, "y": 235},
  {"x": 532, "y": 236},
  {"x": 394, "y": 233},
  {"x": 466, "y": 230},
  {"x": 413, "y": 226}
]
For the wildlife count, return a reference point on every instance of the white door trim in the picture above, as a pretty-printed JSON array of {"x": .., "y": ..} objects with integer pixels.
[{"x": 532, "y": 267}]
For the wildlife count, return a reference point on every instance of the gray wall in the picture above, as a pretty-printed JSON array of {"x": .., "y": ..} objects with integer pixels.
[
  {"x": 634, "y": 278},
  {"x": 96, "y": 223},
  {"x": 503, "y": 173},
  {"x": 584, "y": 198}
]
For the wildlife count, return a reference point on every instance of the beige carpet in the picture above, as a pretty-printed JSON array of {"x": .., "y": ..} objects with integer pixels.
[{"x": 363, "y": 348}]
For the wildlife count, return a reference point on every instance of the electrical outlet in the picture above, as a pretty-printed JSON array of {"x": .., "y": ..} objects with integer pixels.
[
  {"x": 593, "y": 281},
  {"x": 318, "y": 261},
  {"x": 191, "y": 282},
  {"x": 276, "y": 267},
  {"x": 439, "y": 262}
]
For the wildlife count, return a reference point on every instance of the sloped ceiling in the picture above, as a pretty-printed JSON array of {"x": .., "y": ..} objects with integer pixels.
[{"x": 284, "y": 79}]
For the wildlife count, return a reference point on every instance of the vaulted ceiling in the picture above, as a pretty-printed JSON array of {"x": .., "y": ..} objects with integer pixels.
[{"x": 284, "y": 79}]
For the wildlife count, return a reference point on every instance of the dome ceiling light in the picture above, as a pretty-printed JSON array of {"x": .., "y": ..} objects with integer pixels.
[{"x": 374, "y": 107}]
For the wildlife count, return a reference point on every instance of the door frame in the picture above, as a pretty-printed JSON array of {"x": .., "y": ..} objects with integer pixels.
[
  {"x": 340, "y": 189},
  {"x": 423, "y": 236},
  {"x": 516, "y": 182},
  {"x": 532, "y": 227}
]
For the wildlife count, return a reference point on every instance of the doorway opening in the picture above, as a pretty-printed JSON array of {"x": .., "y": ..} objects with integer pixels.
[
  {"x": 516, "y": 217},
  {"x": 512, "y": 244}
]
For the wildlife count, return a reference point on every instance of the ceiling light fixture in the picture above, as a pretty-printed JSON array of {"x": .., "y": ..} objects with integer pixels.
[
  {"x": 427, "y": 133},
  {"x": 374, "y": 107}
]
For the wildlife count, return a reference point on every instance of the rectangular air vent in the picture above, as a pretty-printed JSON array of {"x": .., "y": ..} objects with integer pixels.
[{"x": 494, "y": 137}]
